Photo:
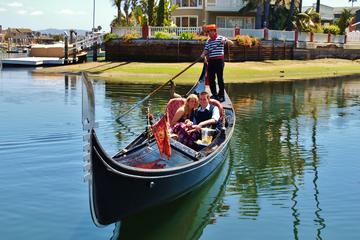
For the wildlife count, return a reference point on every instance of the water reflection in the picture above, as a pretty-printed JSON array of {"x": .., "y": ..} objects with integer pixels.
[{"x": 272, "y": 138}]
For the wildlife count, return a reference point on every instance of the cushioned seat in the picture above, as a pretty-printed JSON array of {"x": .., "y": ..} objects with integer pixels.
[
  {"x": 173, "y": 106},
  {"x": 218, "y": 104}
]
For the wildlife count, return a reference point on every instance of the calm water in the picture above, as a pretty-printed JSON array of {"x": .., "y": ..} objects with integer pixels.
[{"x": 292, "y": 171}]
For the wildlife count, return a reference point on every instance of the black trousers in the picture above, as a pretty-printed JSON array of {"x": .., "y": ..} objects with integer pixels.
[{"x": 216, "y": 67}]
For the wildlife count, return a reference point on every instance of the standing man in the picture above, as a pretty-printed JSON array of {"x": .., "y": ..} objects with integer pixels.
[{"x": 214, "y": 53}]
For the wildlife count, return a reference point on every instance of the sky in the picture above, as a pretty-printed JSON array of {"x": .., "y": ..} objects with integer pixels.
[{"x": 77, "y": 14}]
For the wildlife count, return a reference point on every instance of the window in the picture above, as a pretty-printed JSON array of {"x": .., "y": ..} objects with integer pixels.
[
  {"x": 186, "y": 21},
  {"x": 193, "y": 21},
  {"x": 188, "y": 3},
  {"x": 231, "y": 22}
]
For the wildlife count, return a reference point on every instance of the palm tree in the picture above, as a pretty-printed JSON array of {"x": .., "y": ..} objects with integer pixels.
[
  {"x": 117, "y": 4},
  {"x": 318, "y": 11},
  {"x": 150, "y": 11},
  {"x": 266, "y": 13},
  {"x": 306, "y": 21},
  {"x": 318, "y": 6},
  {"x": 160, "y": 13},
  {"x": 252, "y": 4},
  {"x": 352, "y": 2},
  {"x": 290, "y": 16},
  {"x": 127, "y": 11}
]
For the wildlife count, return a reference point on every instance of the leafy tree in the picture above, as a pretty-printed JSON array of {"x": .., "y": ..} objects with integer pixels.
[
  {"x": 160, "y": 13},
  {"x": 290, "y": 16},
  {"x": 344, "y": 20},
  {"x": 150, "y": 11},
  {"x": 252, "y": 4},
  {"x": 117, "y": 4},
  {"x": 127, "y": 11},
  {"x": 306, "y": 21},
  {"x": 266, "y": 9},
  {"x": 168, "y": 9}
]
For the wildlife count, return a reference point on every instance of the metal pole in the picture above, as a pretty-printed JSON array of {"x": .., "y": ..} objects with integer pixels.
[{"x": 93, "y": 16}]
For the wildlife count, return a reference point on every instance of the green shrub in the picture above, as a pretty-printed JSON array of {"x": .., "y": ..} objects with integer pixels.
[
  {"x": 110, "y": 36},
  {"x": 333, "y": 29},
  {"x": 164, "y": 35},
  {"x": 187, "y": 36}
]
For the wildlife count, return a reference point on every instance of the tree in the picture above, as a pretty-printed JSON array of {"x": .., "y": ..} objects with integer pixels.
[
  {"x": 160, "y": 13},
  {"x": 318, "y": 6},
  {"x": 127, "y": 11},
  {"x": 352, "y": 2},
  {"x": 251, "y": 5},
  {"x": 290, "y": 16},
  {"x": 150, "y": 11},
  {"x": 266, "y": 13},
  {"x": 117, "y": 4},
  {"x": 306, "y": 21},
  {"x": 265, "y": 10},
  {"x": 344, "y": 20}
]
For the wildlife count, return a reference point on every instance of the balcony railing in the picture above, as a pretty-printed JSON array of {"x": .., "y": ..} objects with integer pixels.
[{"x": 224, "y": 5}]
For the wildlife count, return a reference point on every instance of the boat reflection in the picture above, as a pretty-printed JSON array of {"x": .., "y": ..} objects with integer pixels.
[{"x": 184, "y": 218}]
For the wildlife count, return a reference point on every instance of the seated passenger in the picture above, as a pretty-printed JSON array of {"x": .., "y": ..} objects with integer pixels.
[
  {"x": 183, "y": 119},
  {"x": 186, "y": 112},
  {"x": 206, "y": 115}
]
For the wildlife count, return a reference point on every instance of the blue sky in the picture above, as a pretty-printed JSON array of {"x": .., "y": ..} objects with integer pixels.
[{"x": 42, "y": 14}]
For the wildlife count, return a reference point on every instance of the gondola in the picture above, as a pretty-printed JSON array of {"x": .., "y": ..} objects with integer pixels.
[{"x": 120, "y": 185}]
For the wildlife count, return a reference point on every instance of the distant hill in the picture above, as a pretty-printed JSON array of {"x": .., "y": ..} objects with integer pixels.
[{"x": 54, "y": 31}]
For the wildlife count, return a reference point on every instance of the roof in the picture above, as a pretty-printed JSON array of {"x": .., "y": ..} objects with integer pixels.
[
  {"x": 338, "y": 10},
  {"x": 20, "y": 30}
]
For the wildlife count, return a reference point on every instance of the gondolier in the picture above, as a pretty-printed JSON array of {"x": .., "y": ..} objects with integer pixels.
[{"x": 214, "y": 54}]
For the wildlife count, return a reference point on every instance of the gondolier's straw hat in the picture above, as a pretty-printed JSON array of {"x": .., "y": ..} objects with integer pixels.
[{"x": 211, "y": 27}]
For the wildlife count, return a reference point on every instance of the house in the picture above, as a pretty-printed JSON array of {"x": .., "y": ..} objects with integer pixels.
[
  {"x": 2, "y": 34},
  {"x": 329, "y": 15},
  {"x": 20, "y": 36},
  {"x": 224, "y": 13}
]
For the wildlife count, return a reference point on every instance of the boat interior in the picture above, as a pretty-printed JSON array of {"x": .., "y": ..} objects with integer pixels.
[{"x": 143, "y": 152}]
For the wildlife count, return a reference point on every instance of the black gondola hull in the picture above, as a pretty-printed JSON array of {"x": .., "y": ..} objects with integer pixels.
[{"x": 117, "y": 192}]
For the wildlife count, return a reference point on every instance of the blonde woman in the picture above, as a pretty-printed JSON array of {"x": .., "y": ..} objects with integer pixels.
[
  {"x": 183, "y": 120},
  {"x": 185, "y": 113}
]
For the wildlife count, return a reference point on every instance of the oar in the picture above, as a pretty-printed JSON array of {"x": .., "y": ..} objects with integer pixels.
[{"x": 157, "y": 89}]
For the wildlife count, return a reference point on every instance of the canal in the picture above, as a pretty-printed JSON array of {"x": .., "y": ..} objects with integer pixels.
[{"x": 292, "y": 169}]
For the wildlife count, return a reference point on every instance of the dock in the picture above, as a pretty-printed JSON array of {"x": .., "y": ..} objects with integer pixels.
[
  {"x": 58, "y": 54},
  {"x": 32, "y": 61}
]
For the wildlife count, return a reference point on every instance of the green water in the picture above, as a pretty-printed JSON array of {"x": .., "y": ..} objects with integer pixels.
[{"x": 291, "y": 172}]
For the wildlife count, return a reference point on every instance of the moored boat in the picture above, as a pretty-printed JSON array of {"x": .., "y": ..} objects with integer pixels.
[{"x": 137, "y": 178}]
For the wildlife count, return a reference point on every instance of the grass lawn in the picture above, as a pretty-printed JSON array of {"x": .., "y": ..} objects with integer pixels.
[{"x": 234, "y": 72}]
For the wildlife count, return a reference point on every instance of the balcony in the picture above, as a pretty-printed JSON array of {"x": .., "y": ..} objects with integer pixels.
[{"x": 224, "y": 5}]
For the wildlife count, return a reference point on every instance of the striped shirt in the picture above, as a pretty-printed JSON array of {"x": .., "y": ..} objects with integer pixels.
[{"x": 215, "y": 48}]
